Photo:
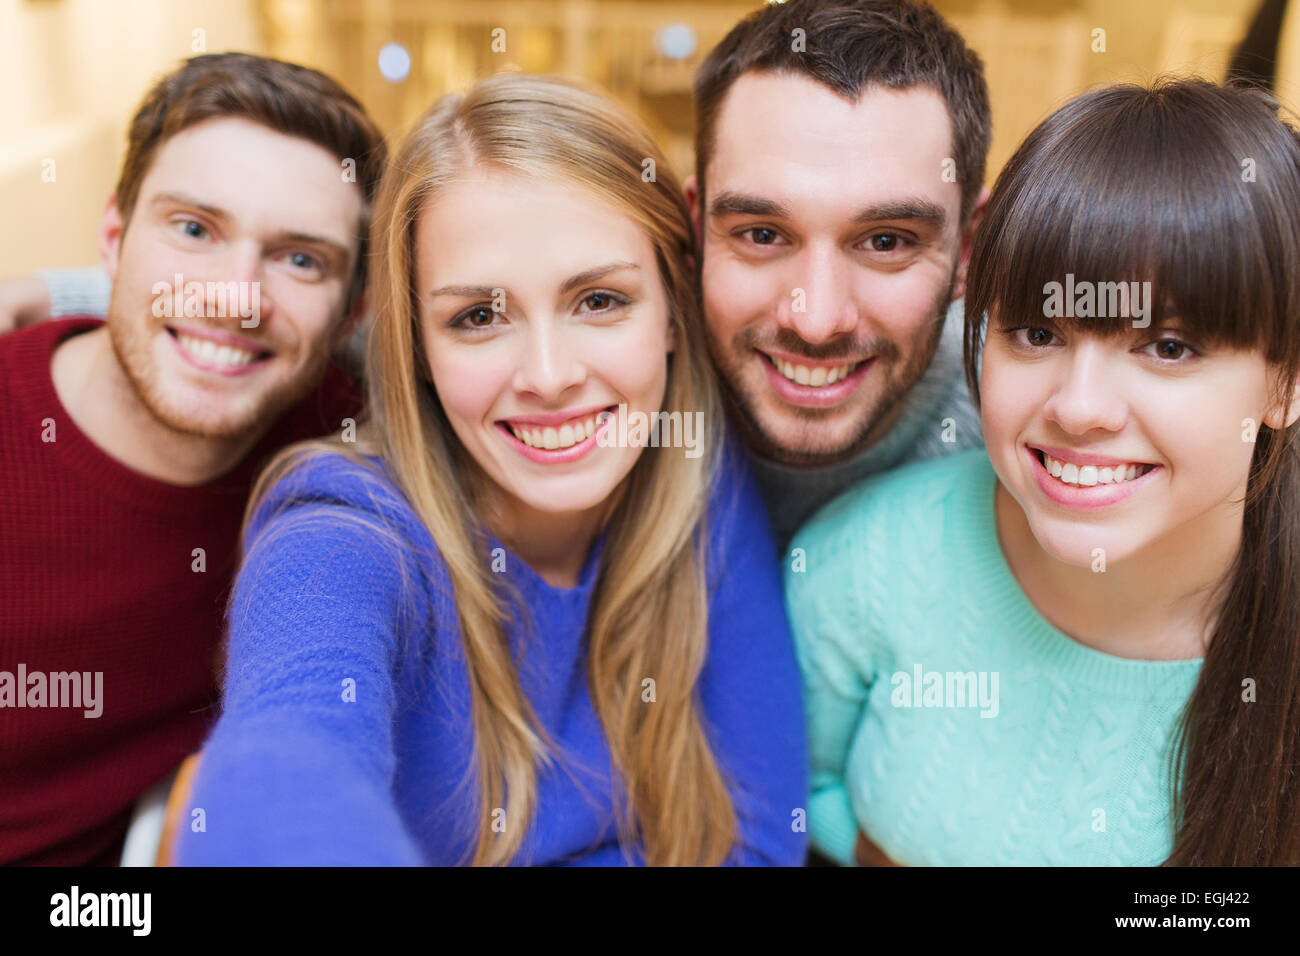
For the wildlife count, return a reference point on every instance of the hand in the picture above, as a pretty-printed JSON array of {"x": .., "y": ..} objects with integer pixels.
[
  {"x": 23, "y": 301},
  {"x": 868, "y": 854}
]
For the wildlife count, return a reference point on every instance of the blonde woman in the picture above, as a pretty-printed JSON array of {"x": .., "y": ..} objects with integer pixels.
[{"x": 510, "y": 623}]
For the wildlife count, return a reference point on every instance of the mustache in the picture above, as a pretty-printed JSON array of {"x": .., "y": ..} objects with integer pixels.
[{"x": 842, "y": 350}]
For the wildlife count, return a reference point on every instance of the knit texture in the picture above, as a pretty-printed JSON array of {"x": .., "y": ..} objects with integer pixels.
[
  {"x": 99, "y": 574},
  {"x": 346, "y": 735},
  {"x": 938, "y": 419},
  {"x": 905, "y": 572}
]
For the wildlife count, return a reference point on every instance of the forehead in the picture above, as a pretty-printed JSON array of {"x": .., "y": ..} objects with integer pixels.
[
  {"x": 788, "y": 138},
  {"x": 261, "y": 178},
  {"x": 489, "y": 224}
]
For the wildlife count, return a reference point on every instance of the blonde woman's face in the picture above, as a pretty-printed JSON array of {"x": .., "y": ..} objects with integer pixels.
[{"x": 541, "y": 309}]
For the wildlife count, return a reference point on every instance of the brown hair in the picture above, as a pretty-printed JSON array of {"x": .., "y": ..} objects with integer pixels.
[
  {"x": 850, "y": 45},
  {"x": 1195, "y": 188},
  {"x": 649, "y": 612},
  {"x": 285, "y": 97}
]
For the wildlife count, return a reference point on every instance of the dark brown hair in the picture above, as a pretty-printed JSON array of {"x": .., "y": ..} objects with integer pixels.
[
  {"x": 285, "y": 97},
  {"x": 850, "y": 45},
  {"x": 1195, "y": 188}
]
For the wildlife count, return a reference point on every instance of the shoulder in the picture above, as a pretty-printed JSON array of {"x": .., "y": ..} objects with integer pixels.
[
  {"x": 328, "y": 491},
  {"x": 890, "y": 508}
]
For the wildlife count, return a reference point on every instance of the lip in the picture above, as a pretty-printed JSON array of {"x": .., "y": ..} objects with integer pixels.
[
  {"x": 1087, "y": 458},
  {"x": 230, "y": 371},
  {"x": 1090, "y": 498},
  {"x": 556, "y": 418},
  {"x": 824, "y": 396},
  {"x": 557, "y": 456}
]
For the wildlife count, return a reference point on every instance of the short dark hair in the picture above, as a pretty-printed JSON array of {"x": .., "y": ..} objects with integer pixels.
[
  {"x": 282, "y": 96},
  {"x": 848, "y": 46}
]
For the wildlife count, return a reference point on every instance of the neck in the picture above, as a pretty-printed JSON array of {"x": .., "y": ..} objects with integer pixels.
[
  {"x": 102, "y": 402},
  {"x": 553, "y": 545},
  {"x": 1157, "y": 604}
]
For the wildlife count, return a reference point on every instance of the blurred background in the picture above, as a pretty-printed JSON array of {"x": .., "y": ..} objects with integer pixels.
[{"x": 72, "y": 71}]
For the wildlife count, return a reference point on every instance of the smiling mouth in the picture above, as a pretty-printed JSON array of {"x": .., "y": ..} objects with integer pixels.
[
  {"x": 557, "y": 437},
  {"x": 815, "y": 377},
  {"x": 217, "y": 353},
  {"x": 1086, "y": 476}
]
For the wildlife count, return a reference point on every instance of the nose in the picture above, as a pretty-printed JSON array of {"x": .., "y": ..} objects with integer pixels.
[
  {"x": 235, "y": 288},
  {"x": 820, "y": 304},
  {"x": 1088, "y": 394},
  {"x": 548, "y": 363}
]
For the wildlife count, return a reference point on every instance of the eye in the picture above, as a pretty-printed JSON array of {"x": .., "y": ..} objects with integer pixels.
[
  {"x": 302, "y": 260},
  {"x": 476, "y": 317},
  {"x": 1034, "y": 337},
  {"x": 885, "y": 242},
  {"x": 601, "y": 302},
  {"x": 193, "y": 228},
  {"x": 1171, "y": 350},
  {"x": 761, "y": 235}
]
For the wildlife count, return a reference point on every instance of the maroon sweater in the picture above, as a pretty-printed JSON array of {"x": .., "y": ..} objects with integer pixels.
[{"x": 96, "y": 574}]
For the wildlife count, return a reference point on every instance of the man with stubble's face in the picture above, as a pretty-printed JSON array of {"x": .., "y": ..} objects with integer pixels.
[{"x": 835, "y": 198}]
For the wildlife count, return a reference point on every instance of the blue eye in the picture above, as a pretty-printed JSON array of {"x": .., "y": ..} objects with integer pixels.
[
  {"x": 303, "y": 261},
  {"x": 193, "y": 228}
]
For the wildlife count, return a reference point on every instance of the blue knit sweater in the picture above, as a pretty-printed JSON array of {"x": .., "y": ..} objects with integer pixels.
[{"x": 345, "y": 736}]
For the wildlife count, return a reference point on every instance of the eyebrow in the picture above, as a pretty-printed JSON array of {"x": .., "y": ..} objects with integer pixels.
[
  {"x": 913, "y": 208},
  {"x": 582, "y": 278},
  {"x": 335, "y": 247}
]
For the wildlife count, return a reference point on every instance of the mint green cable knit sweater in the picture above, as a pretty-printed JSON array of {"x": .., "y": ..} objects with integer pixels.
[{"x": 947, "y": 719}]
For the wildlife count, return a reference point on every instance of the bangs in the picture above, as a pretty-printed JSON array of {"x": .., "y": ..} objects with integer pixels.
[{"x": 1129, "y": 208}]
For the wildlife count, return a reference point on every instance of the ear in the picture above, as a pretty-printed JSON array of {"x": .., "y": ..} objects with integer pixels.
[
  {"x": 691, "y": 189},
  {"x": 1277, "y": 418},
  {"x": 968, "y": 241},
  {"x": 672, "y": 337},
  {"x": 111, "y": 228}
]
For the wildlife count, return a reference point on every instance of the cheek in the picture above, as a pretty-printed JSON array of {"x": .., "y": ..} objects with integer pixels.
[
  {"x": 468, "y": 385},
  {"x": 1206, "y": 435},
  {"x": 735, "y": 294},
  {"x": 634, "y": 363},
  {"x": 1009, "y": 397}
]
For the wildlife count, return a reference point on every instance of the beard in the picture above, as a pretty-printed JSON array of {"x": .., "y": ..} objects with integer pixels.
[
  {"x": 184, "y": 407},
  {"x": 869, "y": 426}
]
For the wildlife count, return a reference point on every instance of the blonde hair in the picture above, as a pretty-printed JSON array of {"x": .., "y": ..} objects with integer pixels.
[{"x": 648, "y": 615}]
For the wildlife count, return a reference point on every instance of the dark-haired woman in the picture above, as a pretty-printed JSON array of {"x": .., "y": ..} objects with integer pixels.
[{"x": 1083, "y": 647}]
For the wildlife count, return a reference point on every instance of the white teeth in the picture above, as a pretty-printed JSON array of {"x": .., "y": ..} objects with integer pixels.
[
  {"x": 566, "y": 436},
  {"x": 208, "y": 351},
  {"x": 814, "y": 377},
  {"x": 1086, "y": 476}
]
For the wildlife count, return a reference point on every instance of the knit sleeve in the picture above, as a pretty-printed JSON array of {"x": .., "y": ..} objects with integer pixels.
[
  {"x": 77, "y": 291},
  {"x": 750, "y": 684},
  {"x": 834, "y": 644},
  {"x": 299, "y": 768}
]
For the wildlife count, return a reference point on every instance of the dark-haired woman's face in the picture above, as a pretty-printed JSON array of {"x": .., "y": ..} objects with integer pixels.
[{"x": 1120, "y": 443}]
